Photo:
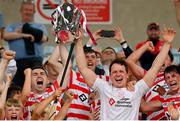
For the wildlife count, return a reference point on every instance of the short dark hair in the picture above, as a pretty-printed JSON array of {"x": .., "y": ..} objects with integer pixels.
[
  {"x": 153, "y": 25},
  {"x": 109, "y": 48},
  {"x": 118, "y": 61},
  {"x": 39, "y": 67},
  {"x": 12, "y": 90},
  {"x": 172, "y": 68},
  {"x": 89, "y": 50}
]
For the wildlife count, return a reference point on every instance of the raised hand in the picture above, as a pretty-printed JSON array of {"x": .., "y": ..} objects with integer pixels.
[
  {"x": 69, "y": 96},
  {"x": 79, "y": 34},
  {"x": 173, "y": 112},
  {"x": 96, "y": 34},
  {"x": 8, "y": 79},
  {"x": 168, "y": 35},
  {"x": 8, "y": 55},
  {"x": 161, "y": 90},
  {"x": 131, "y": 85},
  {"x": 150, "y": 46},
  {"x": 57, "y": 93},
  {"x": 118, "y": 34},
  {"x": 27, "y": 71}
]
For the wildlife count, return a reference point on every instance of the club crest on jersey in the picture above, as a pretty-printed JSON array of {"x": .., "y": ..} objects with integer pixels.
[
  {"x": 82, "y": 97},
  {"x": 111, "y": 101}
]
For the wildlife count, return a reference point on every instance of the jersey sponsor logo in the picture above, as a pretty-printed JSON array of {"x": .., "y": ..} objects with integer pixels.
[
  {"x": 82, "y": 84},
  {"x": 124, "y": 102},
  {"x": 111, "y": 101},
  {"x": 82, "y": 97}
]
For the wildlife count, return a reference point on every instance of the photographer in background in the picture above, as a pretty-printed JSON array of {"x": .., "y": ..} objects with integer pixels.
[
  {"x": 26, "y": 38},
  {"x": 109, "y": 54}
]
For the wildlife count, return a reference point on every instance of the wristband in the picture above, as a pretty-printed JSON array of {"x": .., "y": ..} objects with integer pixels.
[{"x": 124, "y": 44}]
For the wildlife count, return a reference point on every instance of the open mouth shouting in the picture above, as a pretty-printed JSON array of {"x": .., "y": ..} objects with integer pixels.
[
  {"x": 90, "y": 64},
  {"x": 40, "y": 81},
  {"x": 14, "y": 117},
  {"x": 173, "y": 84}
]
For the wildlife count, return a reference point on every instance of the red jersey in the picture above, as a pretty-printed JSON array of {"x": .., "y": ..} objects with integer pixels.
[
  {"x": 96, "y": 103},
  {"x": 36, "y": 98}
]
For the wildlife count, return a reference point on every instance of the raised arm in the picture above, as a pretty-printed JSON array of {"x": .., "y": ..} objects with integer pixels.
[
  {"x": 132, "y": 60},
  {"x": 96, "y": 36},
  {"x": 27, "y": 86},
  {"x": 40, "y": 107},
  {"x": 173, "y": 112},
  {"x": 64, "y": 55},
  {"x": 7, "y": 56},
  {"x": 120, "y": 39},
  {"x": 63, "y": 112},
  {"x": 88, "y": 75},
  {"x": 55, "y": 63},
  {"x": 3, "y": 98},
  {"x": 168, "y": 36}
]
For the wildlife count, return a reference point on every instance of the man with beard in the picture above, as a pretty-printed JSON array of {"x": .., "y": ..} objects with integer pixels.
[{"x": 153, "y": 32}]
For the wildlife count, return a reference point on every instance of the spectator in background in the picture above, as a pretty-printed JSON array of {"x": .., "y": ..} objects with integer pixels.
[
  {"x": 109, "y": 54},
  {"x": 26, "y": 38},
  {"x": 153, "y": 33}
]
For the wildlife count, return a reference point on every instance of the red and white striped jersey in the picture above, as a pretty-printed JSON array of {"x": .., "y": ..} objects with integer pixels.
[
  {"x": 79, "y": 108},
  {"x": 36, "y": 98},
  {"x": 96, "y": 103},
  {"x": 165, "y": 100},
  {"x": 153, "y": 95}
]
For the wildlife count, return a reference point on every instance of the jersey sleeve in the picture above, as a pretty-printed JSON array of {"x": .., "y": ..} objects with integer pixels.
[
  {"x": 141, "y": 88},
  {"x": 99, "y": 85}
]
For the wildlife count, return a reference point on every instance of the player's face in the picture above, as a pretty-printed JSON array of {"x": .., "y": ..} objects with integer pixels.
[
  {"x": 118, "y": 75},
  {"x": 173, "y": 80},
  {"x": 39, "y": 80},
  {"x": 91, "y": 60},
  {"x": 12, "y": 112}
]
